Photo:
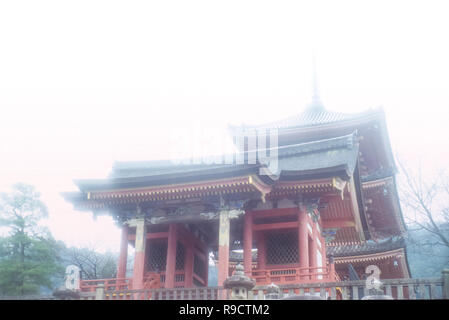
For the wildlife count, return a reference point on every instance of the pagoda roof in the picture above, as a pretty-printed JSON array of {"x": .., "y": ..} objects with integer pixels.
[
  {"x": 317, "y": 159},
  {"x": 375, "y": 160},
  {"x": 312, "y": 117}
]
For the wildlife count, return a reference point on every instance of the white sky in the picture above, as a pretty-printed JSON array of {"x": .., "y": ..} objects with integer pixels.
[{"x": 84, "y": 83}]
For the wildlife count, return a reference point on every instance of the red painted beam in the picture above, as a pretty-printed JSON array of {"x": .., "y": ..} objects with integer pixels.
[
  {"x": 273, "y": 226},
  {"x": 157, "y": 235},
  {"x": 274, "y": 212},
  {"x": 154, "y": 235}
]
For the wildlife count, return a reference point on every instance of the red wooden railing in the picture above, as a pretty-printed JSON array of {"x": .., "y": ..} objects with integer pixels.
[
  {"x": 287, "y": 275},
  {"x": 120, "y": 284},
  {"x": 294, "y": 275},
  {"x": 179, "y": 279},
  {"x": 109, "y": 284}
]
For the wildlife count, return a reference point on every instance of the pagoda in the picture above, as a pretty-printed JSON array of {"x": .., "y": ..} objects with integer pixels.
[{"x": 326, "y": 211}]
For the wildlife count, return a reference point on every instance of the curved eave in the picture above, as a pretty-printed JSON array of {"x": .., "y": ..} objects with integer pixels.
[
  {"x": 261, "y": 181},
  {"x": 395, "y": 208},
  {"x": 317, "y": 186},
  {"x": 367, "y": 259},
  {"x": 89, "y": 185},
  {"x": 248, "y": 186},
  {"x": 73, "y": 196},
  {"x": 370, "y": 257},
  {"x": 341, "y": 171}
]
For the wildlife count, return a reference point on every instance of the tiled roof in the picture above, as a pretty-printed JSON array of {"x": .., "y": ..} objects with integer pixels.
[
  {"x": 158, "y": 167},
  {"x": 314, "y": 117},
  {"x": 314, "y": 157},
  {"x": 368, "y": 247},
  {"x": 326, "y": 153}
]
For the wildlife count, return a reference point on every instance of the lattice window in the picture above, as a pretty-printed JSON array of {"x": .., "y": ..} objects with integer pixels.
[
  {"x": 157, "y": 255},
  {"x": 180, "y": 256},
  {"x": 282, "y": 248},
  {"x": 199, "y": 267}
]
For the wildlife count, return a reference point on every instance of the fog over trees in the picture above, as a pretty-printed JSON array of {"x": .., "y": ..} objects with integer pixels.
[{"x": 425, "y": 202}]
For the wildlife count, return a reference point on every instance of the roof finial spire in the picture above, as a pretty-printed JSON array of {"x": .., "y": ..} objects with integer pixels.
[{"x": 316, "y": 100}]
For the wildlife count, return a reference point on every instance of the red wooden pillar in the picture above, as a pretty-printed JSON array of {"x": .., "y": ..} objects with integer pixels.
[
  {"x": 331, "y": 268},
  {"x": 248, "y": 243},
  {"x": 139, "y": 257},
  {"x": 313, "y": 253},
  {"x": 171, "y": 256},
  {"x": 121, "y": 266},
  {"x": 223, "y": 247},
  {"x": 303, "y": 239}
]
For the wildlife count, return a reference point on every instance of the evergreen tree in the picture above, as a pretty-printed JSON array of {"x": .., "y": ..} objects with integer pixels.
[{"x": 28, "y": 253}]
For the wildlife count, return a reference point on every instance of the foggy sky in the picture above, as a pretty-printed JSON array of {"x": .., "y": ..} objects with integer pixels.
[{"x": 86, "y": 83}]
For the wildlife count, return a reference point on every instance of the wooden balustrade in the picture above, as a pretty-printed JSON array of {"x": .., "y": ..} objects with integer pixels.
[
  {"x": 293, "y": 275},
  {"x": 356, "y": 290},
  {"x": 179, "y": 277},
  {"x": 344, "y": 290},
  {"x": 109, "y": 284},
  {"x": 106, "y": 289},
  {"x": 199, "y": 293}
]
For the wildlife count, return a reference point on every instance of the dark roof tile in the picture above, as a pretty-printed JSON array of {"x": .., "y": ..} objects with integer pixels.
[{"x": 369, "y": 247}]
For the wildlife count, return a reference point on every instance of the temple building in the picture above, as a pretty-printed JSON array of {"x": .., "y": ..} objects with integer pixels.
[{"x": 327, "y": 211}]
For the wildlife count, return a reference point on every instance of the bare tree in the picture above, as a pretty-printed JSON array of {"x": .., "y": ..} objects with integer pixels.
[
  {"x": 427, "y": 201},
  {"x": 92, "y": 264}
]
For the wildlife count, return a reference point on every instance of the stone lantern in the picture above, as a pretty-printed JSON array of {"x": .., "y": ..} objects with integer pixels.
[
  {"x": 239, "y": 284},
  {"x": 273, "y": 292}
]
